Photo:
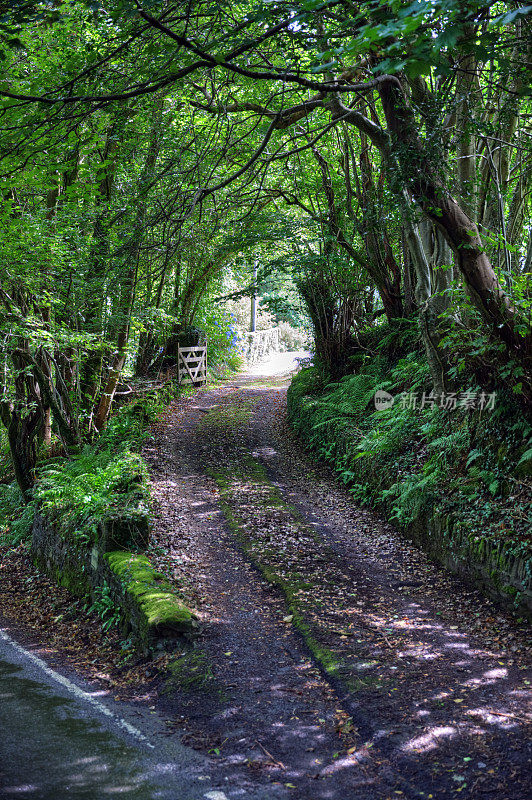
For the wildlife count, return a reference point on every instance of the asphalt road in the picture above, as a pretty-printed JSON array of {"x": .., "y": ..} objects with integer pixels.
[{"x": 59, "y": 738}]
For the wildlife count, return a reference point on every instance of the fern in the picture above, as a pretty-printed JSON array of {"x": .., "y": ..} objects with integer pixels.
[
  {"x": 16, "y": 517},
  {"x": 91, "y": 488}
]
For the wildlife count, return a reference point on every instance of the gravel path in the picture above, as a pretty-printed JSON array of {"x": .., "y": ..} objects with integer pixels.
[{"x": 334, "y": 661}]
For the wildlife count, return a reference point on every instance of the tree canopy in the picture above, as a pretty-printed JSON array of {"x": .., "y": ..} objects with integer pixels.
[{"x": 374, "y": 159}]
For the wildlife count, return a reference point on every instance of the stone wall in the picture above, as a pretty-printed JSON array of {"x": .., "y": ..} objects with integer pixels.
[
  {"x": 505, "y": 577},
  {"x": 150, "y": 608},
  {"x": 260, "y": 344}
]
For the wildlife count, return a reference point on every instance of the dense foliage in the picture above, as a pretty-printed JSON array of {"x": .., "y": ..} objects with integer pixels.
[
  {"x": 416, "y": 460},
  {"x": 366, "y": 168}
]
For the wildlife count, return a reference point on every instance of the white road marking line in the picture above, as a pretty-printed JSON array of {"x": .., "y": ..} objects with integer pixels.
[
  {"x": 216, "y": 796},
  {"x": 76, "y": 691}
]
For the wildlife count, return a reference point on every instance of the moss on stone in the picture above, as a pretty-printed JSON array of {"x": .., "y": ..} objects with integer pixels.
[
  {"x": 192, "y": 671},
  {"x": 160, "y": 608}
]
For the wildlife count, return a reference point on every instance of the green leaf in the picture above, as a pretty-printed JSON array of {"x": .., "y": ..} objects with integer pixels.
[
  {"x": 416, "y": 68},
  {"x": 527, "y": 456},
  {"x": 511, "y": 16},
  {"x": 324, "y": 67}
]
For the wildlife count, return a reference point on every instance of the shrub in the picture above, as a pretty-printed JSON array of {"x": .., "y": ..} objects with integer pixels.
[
  {"x": 96, "y": 486},
  {"x": 416, "y": 459},
  {"x": 223, "y": 340},
  {"x": 16, "y": 517}
]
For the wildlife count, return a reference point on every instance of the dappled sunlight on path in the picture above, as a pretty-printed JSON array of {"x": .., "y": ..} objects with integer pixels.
[
  {"x": 338, "y": 659},
  {"x": 278, "y": 364}
]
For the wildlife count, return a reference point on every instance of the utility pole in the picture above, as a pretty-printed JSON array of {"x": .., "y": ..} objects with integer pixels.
[{"x": 253, "y": 316}]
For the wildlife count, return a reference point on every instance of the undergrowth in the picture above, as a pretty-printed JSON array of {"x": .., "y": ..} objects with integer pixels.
[
  {"x": 107, "y": 477},
  {"x": 406, "y": 460},
  {"x": 96, "y": 485},
  {"x": 104, "y": 605},
  {"x": 16, "y": 518}
]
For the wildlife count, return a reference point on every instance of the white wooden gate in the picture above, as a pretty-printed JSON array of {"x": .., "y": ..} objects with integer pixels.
[{"x": 192, "y": 364}]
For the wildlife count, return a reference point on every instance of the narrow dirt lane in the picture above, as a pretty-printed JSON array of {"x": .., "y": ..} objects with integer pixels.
[{"x": 334, "y": 661}]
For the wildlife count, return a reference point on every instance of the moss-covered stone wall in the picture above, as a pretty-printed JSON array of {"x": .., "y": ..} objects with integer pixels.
[{"x": 150, "y": 607}]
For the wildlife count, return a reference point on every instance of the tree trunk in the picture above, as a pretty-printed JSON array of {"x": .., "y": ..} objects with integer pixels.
[
  {"x": 23, "y": 419},
  {"x": 427, "y": 315},
  {"x": 466, "y": 175},
  {"x": 131, "y": 253},
  {"x": 98, "y": 258},
  {"x": 459, "y": 230}
]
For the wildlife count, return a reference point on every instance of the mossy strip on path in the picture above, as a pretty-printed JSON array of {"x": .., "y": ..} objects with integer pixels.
[{"x": 291, "y": 556}]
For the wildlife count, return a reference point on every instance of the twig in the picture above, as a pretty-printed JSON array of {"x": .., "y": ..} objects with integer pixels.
[
  {"x": 390, "y": 645},
  {"x": 129, "y": 391},
  {"x": 272, "y": 759},
  {"x": 504, "y": 714}
]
